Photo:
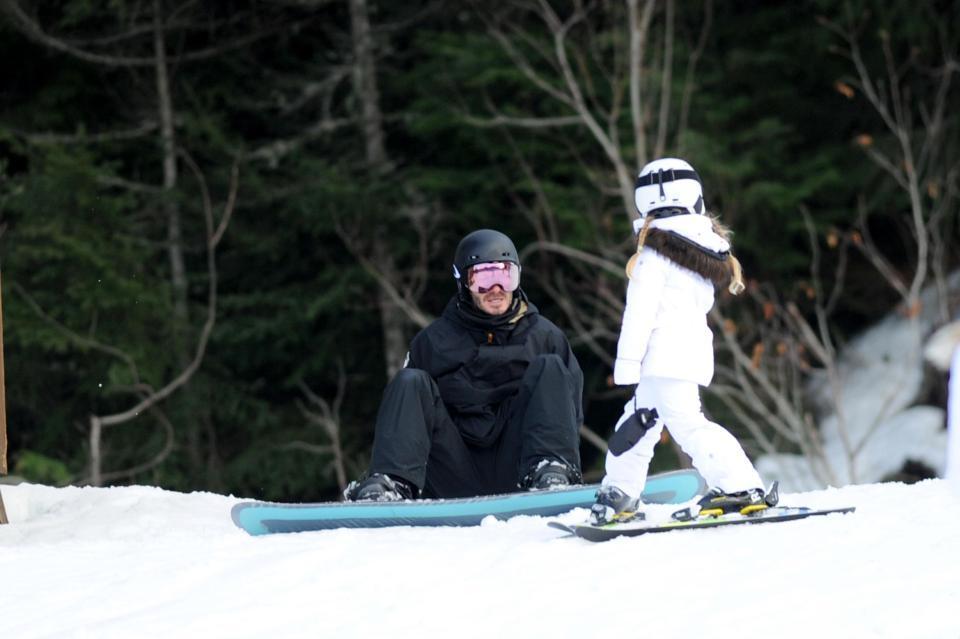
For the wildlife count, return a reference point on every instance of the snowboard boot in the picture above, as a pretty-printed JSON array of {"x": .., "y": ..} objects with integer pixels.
[
  {"x": 549, "y": 474},
  {"x": 379, "y": 487},
  {"x": 613, "y": 506},
  {"x": 716, "y": 502}
]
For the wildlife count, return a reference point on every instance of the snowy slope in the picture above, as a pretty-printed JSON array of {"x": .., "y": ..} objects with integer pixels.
[{"x": 143, "y": 562}]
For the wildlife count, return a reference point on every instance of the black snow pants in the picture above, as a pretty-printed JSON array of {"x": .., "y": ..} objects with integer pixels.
[{"x": 417, "y": 440}]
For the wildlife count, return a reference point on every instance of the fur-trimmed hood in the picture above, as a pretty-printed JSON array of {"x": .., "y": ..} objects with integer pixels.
[{"x": 685, "y": 252}]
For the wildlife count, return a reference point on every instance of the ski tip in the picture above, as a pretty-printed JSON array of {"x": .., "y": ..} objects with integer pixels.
[
  {"x": 560, "y": 526},
  {"x": 244, "y": 516}
]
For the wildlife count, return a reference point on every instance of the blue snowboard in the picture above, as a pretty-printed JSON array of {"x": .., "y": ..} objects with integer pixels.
[{"x": 261, "y": 518}]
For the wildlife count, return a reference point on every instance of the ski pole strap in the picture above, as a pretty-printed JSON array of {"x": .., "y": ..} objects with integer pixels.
[{"x": 630, "y": 431}]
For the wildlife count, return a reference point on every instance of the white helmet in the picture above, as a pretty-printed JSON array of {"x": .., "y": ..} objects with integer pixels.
[{"x": 668, "y": 183}]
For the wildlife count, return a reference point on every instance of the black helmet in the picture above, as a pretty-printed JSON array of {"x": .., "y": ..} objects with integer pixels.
[{"x": 485, "y": 245}]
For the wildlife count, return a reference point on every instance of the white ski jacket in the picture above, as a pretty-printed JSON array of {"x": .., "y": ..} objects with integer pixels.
[{"x": 664, "y": 331}]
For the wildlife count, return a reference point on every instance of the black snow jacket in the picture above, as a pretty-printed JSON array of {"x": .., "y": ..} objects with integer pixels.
[{"x": 478, "y": 361}]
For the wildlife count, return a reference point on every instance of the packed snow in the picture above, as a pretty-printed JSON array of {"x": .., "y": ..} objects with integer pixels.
[{"x": 145, "y": 562}]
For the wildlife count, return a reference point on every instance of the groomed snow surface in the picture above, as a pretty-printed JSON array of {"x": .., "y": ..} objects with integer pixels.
[{"x": 143, "y": 562}]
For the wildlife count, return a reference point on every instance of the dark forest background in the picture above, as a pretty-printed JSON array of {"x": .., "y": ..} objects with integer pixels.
[{"x": 222, "y": 222}]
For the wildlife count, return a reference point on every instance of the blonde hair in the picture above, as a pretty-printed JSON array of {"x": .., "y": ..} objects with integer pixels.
[
  {"x": 736, "y": 270},
  {"x": 641, "y": 239}
]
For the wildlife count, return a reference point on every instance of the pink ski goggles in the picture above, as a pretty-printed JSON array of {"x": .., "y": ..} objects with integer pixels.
[{"x": 484, "y": 276}]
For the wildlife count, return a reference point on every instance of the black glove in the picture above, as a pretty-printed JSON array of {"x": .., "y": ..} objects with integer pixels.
[{"x": 630, "y": 431}]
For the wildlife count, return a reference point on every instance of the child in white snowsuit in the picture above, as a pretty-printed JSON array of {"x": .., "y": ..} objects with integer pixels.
[{"x": 666, "y": 347}]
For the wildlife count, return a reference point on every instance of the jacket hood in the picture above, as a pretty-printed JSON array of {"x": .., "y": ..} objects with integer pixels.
[
  {"x": 696, "y": 228},
  {"x": 691, "y": 255}
]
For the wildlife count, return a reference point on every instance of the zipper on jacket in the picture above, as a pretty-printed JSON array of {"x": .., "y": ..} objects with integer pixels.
[{"x": 489, "y": 337}]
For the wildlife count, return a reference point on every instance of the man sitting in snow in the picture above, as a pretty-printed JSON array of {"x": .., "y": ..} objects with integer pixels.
[{"x": 489, "y": 399}]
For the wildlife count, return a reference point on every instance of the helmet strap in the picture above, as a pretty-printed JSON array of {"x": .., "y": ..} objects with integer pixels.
[
  {"x": 672, "y": 211},
  {"x": 662, "y": 176}
]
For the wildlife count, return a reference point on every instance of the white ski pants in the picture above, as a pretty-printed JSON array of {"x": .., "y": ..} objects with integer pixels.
[{"x": 715, "y": 453}]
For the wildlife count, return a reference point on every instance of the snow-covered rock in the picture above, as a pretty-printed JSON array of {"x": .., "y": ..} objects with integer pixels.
[{"x": 870, "y": 424}]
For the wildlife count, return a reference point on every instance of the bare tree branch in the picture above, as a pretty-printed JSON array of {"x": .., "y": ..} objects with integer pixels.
[
  {"x": 688, "y": 84},
  {"x": 499, "y": 120},
  {"x": 32, "y": 29},
  {"x": 666, "y": 82},
  {"x": 327, "y": 416},
  {"x": 114, "y": 181},
  {"x": 85, "y": 137},
  {"x": 583, "y": 256},
  {"x": 100, "y": 422},
  {"x": 275, "y": 151},
  {"x": 156, "y": 460},
  {"x": 78, "y": 339},
  {"x": 592, "y": 438},
  {"x": 639, "y": 25}
]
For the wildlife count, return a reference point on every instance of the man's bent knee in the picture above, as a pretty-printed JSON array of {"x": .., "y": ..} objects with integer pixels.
[
  {"x": 411, "y": 376},
  {"x": 548, "y": 360}
]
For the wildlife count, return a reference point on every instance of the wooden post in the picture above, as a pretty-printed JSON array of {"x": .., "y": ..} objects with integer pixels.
[{"x": 3, "y": 414}]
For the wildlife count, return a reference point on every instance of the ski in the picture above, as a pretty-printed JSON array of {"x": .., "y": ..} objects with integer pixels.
[
  {"x": 560, "y": 526},
  {"x": 634, "y": 528}
]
